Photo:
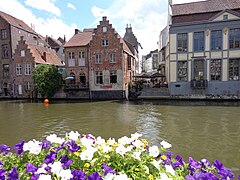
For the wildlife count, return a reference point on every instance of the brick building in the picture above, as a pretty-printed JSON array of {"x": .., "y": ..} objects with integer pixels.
[
  {"x": 26, "y": 57},
  {"x": 103, "y": 58},
  {"x": 11, "y": 29}
]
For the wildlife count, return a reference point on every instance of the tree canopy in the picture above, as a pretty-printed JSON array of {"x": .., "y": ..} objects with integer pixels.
[{"x": 47, "y": 80}]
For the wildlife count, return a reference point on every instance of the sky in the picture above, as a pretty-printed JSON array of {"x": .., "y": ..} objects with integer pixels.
[{"x": 57, "y": 18}]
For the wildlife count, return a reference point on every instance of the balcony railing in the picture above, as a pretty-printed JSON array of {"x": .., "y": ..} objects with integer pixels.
[
  {"x": 199, "y": 84},
  {"x": 75, "y": 85}
]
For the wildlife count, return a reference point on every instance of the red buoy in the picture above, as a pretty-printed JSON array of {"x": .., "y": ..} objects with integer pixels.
[{"x": 46, "y": 101}]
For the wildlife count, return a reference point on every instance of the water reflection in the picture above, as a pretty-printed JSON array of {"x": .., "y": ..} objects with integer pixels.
[{"x": 204, "y": 130}]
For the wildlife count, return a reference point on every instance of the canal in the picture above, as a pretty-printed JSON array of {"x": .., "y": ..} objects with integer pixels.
[{"x": 196, "y": 129}]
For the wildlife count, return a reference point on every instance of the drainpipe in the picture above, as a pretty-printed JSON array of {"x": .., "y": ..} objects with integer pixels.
[{"x": 89, "y": 68}]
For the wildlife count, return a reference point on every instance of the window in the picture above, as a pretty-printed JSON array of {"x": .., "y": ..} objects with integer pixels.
[
  {"x": 112, "y": 58},
  {"x": 215, "y": 70},
  {"x": 28, "y": 86},
  {"x": 27, "y": 69},
  {"x": 99, "y": 77},
  {"x": 3, "y": 34},
  {"x": 234, "y": 38},
  {"x": 98, "y": 59},
  {"x": 5, "y": 51},
  {"x": 113, "y": 77},
  {"x": 81, "y": 59},
  {"x": 225, "y": 17},
  {"x": 129, "y": 61},
  {"x": 105, "y": 42},
  {"x": 216, "y": 40},
  {"x": 71, "y": 61},
  {"x": 22, "y": 53},
  {"x": 198, "y": 41},
  {"x": 18, "y": 69},
  {"x": 234, "y": 69},
  {"x": 5, "y": 70},
  {"x": 182, "y": 70},
  {"x": 82, "y": 79},
  {"x": 182, "y": 42},
  {"x": 104, "y": 29}
]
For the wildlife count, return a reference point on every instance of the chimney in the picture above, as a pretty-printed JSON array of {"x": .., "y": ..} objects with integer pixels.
[
  {"x": 129, "y": 29},
  {"x": 64, "y": 39},
  {"x": 104, "y": 18},
  {"x": 76, "y": 31}
]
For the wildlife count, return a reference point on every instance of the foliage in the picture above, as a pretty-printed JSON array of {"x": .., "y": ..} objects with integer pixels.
[
  {"x": 80, "y": 157},
  {"x": 47, "y": 80}
]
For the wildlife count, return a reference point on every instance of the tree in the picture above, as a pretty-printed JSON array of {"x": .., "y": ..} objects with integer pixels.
[{"x": 47, "y": 80}]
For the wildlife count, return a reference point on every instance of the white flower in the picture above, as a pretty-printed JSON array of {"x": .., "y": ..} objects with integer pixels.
[
  {"x": 137, "y": 143},
  {"x": 56, "y": 167},
  {"x": 65, "y": 174},
  {"x": 164, "y": 177},
  {"x": 105, "y": 148},
  {"x": 121, "y": 150},
  {"x": 73, "y": 135},
  {"x": 157, "y": 163},
  {"x": 125, "y": 140},
  {"x": 34, "y": 147},
  {"x": 111, "y": 141},
  {"x": 136, "y": 155},
  {"x": 54, "y": 139},
  {"x": 109, "y": 176},
  {"x": 136, "y": 135},
  {"x": 170, "y": 169},
  {"x": 165, "y": 144},
  {"x": 100, "y": 140},
  {"x": 44, "y": 177},
  {"x": 121, "y": 177},
  {"x": 88, "y": 153},
  {"x": 42, "y": 170},
  {"x": 87, "y": 142},
  {"x": 153, "y": 151}
]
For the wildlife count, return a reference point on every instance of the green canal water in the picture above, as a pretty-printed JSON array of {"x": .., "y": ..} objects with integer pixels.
[{"x": 196, "y": 129}]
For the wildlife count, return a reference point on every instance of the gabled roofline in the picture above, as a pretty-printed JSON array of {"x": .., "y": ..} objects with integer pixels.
[{"x": 223, "y": 11}]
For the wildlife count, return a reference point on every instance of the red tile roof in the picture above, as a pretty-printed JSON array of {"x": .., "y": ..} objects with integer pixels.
[
  {"x": 80, "y": 39},
  {"x": 204, "y": 6},
  {"x": 38, "y": 54},
  {"x": 16, "y": 22}
]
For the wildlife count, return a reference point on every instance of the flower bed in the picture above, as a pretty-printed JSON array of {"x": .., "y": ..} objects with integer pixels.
[{"x": 80, "y": 157}]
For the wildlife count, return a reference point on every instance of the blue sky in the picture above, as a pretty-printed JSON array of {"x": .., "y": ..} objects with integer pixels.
[{"x": 57, "y": 18}]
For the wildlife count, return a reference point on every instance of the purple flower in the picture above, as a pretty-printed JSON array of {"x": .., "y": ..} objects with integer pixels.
[
  {"x": 66, "y": 162},
  {"x": 4, "y": 149},
  {"x": 30, "y": 168},
  {"x": 78, "y": 175},
  {"x": 35, "y": 177},
  {"x": 193, "y": 165},
  {"x": 72, "y": 146},
  {"x": 201, "y": 176},
  {"x": 94, "y": 176},
  {"x": 13, "y": 174},
  {"x": 107, "y": 170},
  {"x": 179, "y": 162},
  {"x": 46, "y": 144},
  {"x": 50, "y": 158},
  {"x": 60, "y": 147},
  {"x": 205, "y": 163},
  {"x": 19, "y": 147},
  {"x": 218, "y": 165},
  {"x": 2, "y": 174}
]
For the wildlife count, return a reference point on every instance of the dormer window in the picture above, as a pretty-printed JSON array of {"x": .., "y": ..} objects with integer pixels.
[
  {"x": 104, "y": 29},
  {"x": 225, "y": 17}
]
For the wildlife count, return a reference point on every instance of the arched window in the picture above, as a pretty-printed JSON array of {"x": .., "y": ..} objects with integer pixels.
[
  {"x": 82, "y": 78},
  {"x": 72, "y": 74}
]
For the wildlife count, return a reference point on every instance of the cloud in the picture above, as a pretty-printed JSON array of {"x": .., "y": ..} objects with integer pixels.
[
  {"x": 147, "y": 18},
  {"x": 46, "y": 5},
  {"x": 69, "y": 5},
  {"x": 54, "y": 27}
]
